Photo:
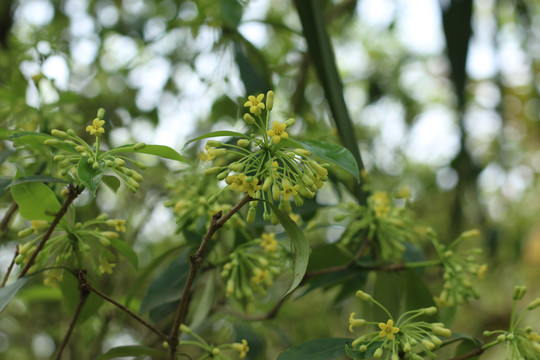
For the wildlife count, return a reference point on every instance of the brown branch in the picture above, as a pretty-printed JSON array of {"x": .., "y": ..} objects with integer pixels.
[
  {"x": 85, "y": 284},
  {"x": 7, "y": 217},
  {"x": 195, "y": 263},
  {"x": 83, "y": 296},
  {"x": 475, "y": 352},
  {"x": 6, "y": 276},
  {"x": 73, "y": 192}
]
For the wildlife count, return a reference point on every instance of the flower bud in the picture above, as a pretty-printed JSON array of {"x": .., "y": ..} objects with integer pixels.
[
  {"x": 318, "y": 168},
  {"x": 298, "y": 200},
  {"x": 58, "y": 133},
  {"x": 287, "y": 206},
  {"x": 290, "y": 122},
  {"x": 59, "y": 157},
  {"x": 185, "y": 329},
  {"x": 101, "y": 113},
  {"x": 19, "y": 259},
  {"x": 267, "y": 183},
  {"x": 362, "y": 295},
  {"x": 534, "y": 304},
  {"x": 363, "y": 348},
  {"x": 51, "y": 142},
  {"x": 140, "y": 165},
  {"x": 510, "y": 337},
  {"x": 441, "y": 331},
  {"x": 236, "y": 166},
  {"x": 269, "y": 100},
  {"x": 307, "y": 180},
  {"x": 407, "y": 347},
  {"x": 139, "y": 146},
  {"x": 138, "y": 177},
  {"x": 427, "y": 344},
  {"x": 378, "y": 353},
  {"x": 212, "y": 171},
  {"x": 432, "y": 310},
  {"x": 222, "y": 175},
  {"x": 303, "y": 152},
  {"x": 95, "y": 165},
  {"x": 340, "y": 217},
  {"x": 25, "y": 232},
  {"x": 275, "y": 192},
  {"x": 435, "y": 340},
  {"x": 394, "y": 357},
  {"x": 519, "y": 292},
  {"x": 251, "y": 215},
  {"x": 243, "y": 142},
  {"x": 104, "y": 241},
  {"x": 501, "y": 338},
  {"x": 33, "y": 269},
  {"x": 249, "y": 119}
]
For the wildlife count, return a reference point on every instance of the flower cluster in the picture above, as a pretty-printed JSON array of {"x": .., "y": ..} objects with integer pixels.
[
  {"x": 214, "y": 352},
  {"x": 264, "y": 166},
  {"x": 73, "y": 150},
  {"x": 252, "y": 267},
  {"x": 388, "y": 225},
  {"x": 460, "y": 271},
  {"x": 520, "y": 343},
  {"x": 69, "y": 244},
  {"x": 407, "y": 335}
]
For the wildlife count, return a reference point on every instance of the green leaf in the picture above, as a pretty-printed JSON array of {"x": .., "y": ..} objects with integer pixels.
[
  {"x": 4, "y": 183},
  {"x": 205, "y": 302},
  {"x": 112, "y": 182},
  {"x": 300, "y": 244},
  {"x": 158, "y": 150},
  {"x": 71, "y": 296},
  {"x": 35, "y": 201},
  {"x": 389, "y": 287},
  {"x": 322, "y": 55},
  {"x": 216, "y": 134},
  {"x": 335, "y": 154},
  {"x": 89, "y": 176},
  {"x": 36, "y": 138},
  {"x": 231, "y": 12},
  {"x": 368, "y": 354},
  {"x": 468, "y": 344},
  {"x": 319, "y": 349},
  {"x": 168, "y": 286},
  {"x": 8, "y": 292},
  {"x": 36, "y": 178},
  {"x": 131, "y": 350},
  {"x": 123, "y": 248},
  {"x": 417, "y": 295}
]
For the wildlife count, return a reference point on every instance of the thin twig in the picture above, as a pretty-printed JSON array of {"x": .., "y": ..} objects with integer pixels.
[
  {"x": 195, "y": 263},
  {"x": 6, "y": 276},
  {"x": 83, "y": 296},
  {"x": 470, "y": 354},
  {"x": 7, "y": 217},
  {"x": 73, "y": 192},
  {"x": 84, "y": 283}
]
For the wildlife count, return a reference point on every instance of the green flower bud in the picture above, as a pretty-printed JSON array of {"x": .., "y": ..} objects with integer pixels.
[
  {"x": 58, "y": 133},
  {"x": 487, "y": 333},
  {"x": 394, "y": 357},
  {"x": 534, "y": 304},
  {"x": 267, "y": 183},
  {"x": 33, "y": 269},
  {"x": 111, "y": 235},
  {"x": 119, "y": 162},
  {"x": 222, "y": 175},
  {"x": 362, "y": 295},
  {"x": 103, "y": 217},
  {"x": 249, "y": 119},
  {"x": 243, "y": 142},
  {"x": 133, "y": 184},
  {"x": 214, "y": 143},
  {"x": 501, "y": 338},
  {"x": 378, "y": 353},
  {"x": 407, "y": 347},
  {"x": 269, "y": 100},
  {"x": 139, "y": 146},
  {"x": 185, "y": 329},
  {"x": 304, "y": 192},
  {"x": 298, "y": 200},
  {"x": 427, "y": 344},
  {"x": 251, "y": 215},
  {"x": 287, "y": 206},
  {"x": 237, "y": 167},
  {"x": 435, "y": 340},
  {"x": 290, "y": 122},
  {"x": 275, "y": 192},
  {"x": 432, "y": 310},
  {"x": 104, "y": 241},
  {"x": 340, "y": 217},
  {"x": 510, "y": 337},
  {"x": 71, "y": 132},
  {"x": 303, "y": 152},
  {"x": 212, "y": 170},
  {"x": 25, "y": 232},
  {"x": 441, "y": 331},
  {"x": 90, "y": 161},
  {"x": 266, "y": 216},
  {"x": 138, "y": 177},
  {"x": 140, "y": 165},
  {"x": 51, "y": 142},
  {"x": 273, "y": 218},
  {"x": 363, "y": 348},
  {"x": 220, "y": 152},
  {"x": 19, "y": 259},
  {"x": 519, "y": 292},
  {"x": 95, "y": 165},
  {"x": 59, "y": 157},
  {"x": 318, "y": 168},
  {"x": 307, "y": 180}
]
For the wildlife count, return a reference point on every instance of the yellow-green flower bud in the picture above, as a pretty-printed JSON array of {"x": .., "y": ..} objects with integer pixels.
[
  {"x": 378, "y": 353},
  {"x": 243, "y": 142},
  {"x": 58, "y": 133},
  {"x": 407, "y": 347},
  {"x": 269, "y": 100},
  {"x": 287, "y": 206},
  {"x": 501, "y": 338},
  {"x": 304, "y": 192},
  {"x": 237, "y": 167},
  {"x": 275, "y": 192},
  {"x": 340, "y": 217},
  {"x": 251, "y": 215},
  {"x": 435, "y": 340},
  {"x": 139, "y": 146},
  {"x": 470, "y": 234},
  {"x": 220, "y": 152},
  {"x": 510, "y": 337},
  {"x": 103, "y": 217},
  {"x": 90, "y": 161},
  {"x": 362, "y": 295},
  {"x": 290, "y": 122},
  {"x": 19, "y": 259},
  {"x": 307, "y": 180},
  {"x": 138, "y": 177},
  {"x": 318, "y": 168},
  {"x": 427, "y": 344},
  {"x": 363, "y": 348},
  {"x": 298, "y": 200},
  {"x": 267, "y": 183},
  {"x": 432, "y": 310},
  {"x": 185, "y": 329},
  {"x": 33, "y": 269},
  {"x": 394, "y": 357},
  {"x": 214, "y": 143},
  {"x": 140, "y": 165},
  {"x": 249, "y": 119},
  {"x": 119, "y": 162},
  {"x": 212, "y": 171},
  {"x": 441, "y": 331},
  {"x": 519, "y": 292},
  {"x": 25, "y": 232},
  {"x": 215, "y": 351},
  {"x": 59, "y": 157},
  {"x": 95, "y": 165},
  {"x": 111, "y": 235},
  {"x": 534, "y": 304},
  {"x": 51, "y": 142},
  {"x": 101, "y": 113},
  {"x": 303, "y": 152},
  {"x": 104, "y": 241},
  {"x": 273, "y": 218},
  {"x": 222, "y": 175}
]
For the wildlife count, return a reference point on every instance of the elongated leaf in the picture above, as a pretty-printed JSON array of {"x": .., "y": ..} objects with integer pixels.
[
  {"x": 35, "y": 201},
  {"x": 37, "y": 138},
  {"x": 300, "y": 244},
  {"x": 333, "y": 153},
  {"x": 126, "y": 251},
  {"x": 131, "y": 350},
  {"x": 36, "y": 178},
  {"x": 467, "y": 345},
  {"x": 89, "y": 176},
  {"x": 158, "y": 150},
  {"x": 319, "y": 349},
  {"x": 8, "y": 292},
  {"x": 112, "y": 182},
  {"x": 71, "y": 296},
  {"x": 216, "y": 134},
  {"x": 168, "y": 286},
  {"x": 205, "y": 302},
  {"x": 389, "y": 287},
  {"x": 231, "y": 12},
  {"x": 417, "y": 294}
]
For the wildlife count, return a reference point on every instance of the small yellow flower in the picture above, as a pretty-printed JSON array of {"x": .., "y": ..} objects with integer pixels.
[
  {"x": 96, "y": 128},
  {"x": 252, "y": 187},
  {"x": 388, "y": 329},
  {"x": 269, "y": 243},
  {"x": 533, "y": 336},
  {"x": 210, "y": 153},
  {"x": 295, "y": 217},
  {"x": 255, "y": 104},
  {"x": 355, "y": 322},
  {"x": 242, "y": 347},
  {"x": 106, "y": 267},
  {"x": 52, "y": 278},
  {"x": 288, "y": 190},
  {"x": 380, "y": 204},
  {"x": 38, "y": 224},
  {"x": 236, "y": 182},
  {"x": 277, "y": 132},
  {"x": 260, "y": 276},
  {"x": 120, "y": 225},
  {"x": 482, "y": 271}
]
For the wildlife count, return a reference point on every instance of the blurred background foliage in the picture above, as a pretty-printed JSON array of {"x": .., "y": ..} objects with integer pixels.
[{"x": 442, "y": 98}]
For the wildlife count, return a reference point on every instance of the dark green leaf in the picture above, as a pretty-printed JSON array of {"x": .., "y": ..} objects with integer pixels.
[
  {"x": 36, "y": 138},
  {"x": 253, "y": 66},
  {"x": 71, "y": 296},
  {"x": 35, "y": 201},
  {"x": 205, "y": 302},
  {"x": 123, "y": 248},
  {"x": 216, "y": 134},
  {"x": 231, "y": 12},
  {"x": 131, "y": 350},
  {"x": 327, "y": 255},
  {"x": 36, "y": 178},
  {"x": 417, "y": 295},
  {"x": 112, "y": 182},
  {"x": 158, "y": 150},
  {"x": 300, "y": 244},
  {"x": 8, "y": 292},
  {"x": 319, "y": 349},
  {"x": 389, "y": 288},
  {"x": 168, "y": 286},
  {"x": 89, "y": 176},
  {"x": 4, "y": 183},
  {"x": 333, "y": 153}
]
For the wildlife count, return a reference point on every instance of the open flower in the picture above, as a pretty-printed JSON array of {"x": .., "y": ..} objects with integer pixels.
[
  {"x": 278, "y": 132},
  {"x": 269, "y": 243},
  {"x": 96, "y": 128},
  {"x": 242, "y": 347},
  {"x": 288, "y": 190},
  {"x": 255, "y": 104},
  {"x": 388, "y": 329}
]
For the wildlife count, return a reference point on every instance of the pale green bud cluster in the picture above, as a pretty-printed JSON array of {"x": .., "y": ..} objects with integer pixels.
[
  {"x": 211, "y": 351},
  {"x": 409, "y": 336}
]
